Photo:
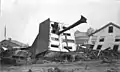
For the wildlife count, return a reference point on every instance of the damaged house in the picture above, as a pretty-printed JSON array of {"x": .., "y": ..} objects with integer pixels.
[
  {"x": 107, "y": 36},
  {"x": 55, "y": 36}
]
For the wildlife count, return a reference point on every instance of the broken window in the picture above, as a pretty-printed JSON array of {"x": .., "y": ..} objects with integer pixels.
[
  {"x": 91, "y": 46},
  {"x": 110, "y": 30},
  {"x": 115, "y": 47},
  {"x": 117, "y": 38},
  {"x": 56, "y": 39},
  {"x": 56, "y": 46},
  {"x": 67, "y": 47},
  {"x": 68, "y": 34},
  {"x": 99, "y": 47},
  {"x": 102, "y": 39},
  {"x": 64, "y": 27},
  {"x": 68, "y": 40},
  {"x": 55, "y": 28}
]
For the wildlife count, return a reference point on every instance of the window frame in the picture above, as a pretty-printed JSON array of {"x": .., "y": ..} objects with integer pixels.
[
  {"x": 117, "y": 47},
  {"x": 55, "y": 39},
  {"x": 56, "y": 46},
  {"x": 117, "y": 39},
  {"x": 99, "y": 47},
  {"x": 102, "y": 39},
  {"x": 68, "y": 34},
  {"x": 69, "y": 47},
  {"x": 110, "y": 29},
  {"x": 69, "y": 40}
]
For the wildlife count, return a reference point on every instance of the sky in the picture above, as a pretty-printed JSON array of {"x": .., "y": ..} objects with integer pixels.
[{"x": 22, "y": 17}]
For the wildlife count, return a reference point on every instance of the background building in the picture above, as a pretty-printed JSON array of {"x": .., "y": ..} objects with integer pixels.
[
  {"x": 10, "y": 44},
  {"x": 81, "y": 38}
]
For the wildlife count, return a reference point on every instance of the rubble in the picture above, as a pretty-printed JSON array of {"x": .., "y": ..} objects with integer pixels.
[
  {"x": 111, "y": 70},
  {"x": 54, "y": 69}
]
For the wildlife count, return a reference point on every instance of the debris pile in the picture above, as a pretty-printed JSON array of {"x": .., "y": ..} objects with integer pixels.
[
  {"x": 111, "y": 70},
  {"x": 54, "y": 69}
]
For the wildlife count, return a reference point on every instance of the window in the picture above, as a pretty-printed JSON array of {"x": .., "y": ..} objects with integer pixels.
[
  {"x": 99, "y": 47},
  {"x": 115, "y": 47},
  {"x": 64, "y": 27},
  {"x": 117, "y": 38},
  {"x": 56, "y": 39},
  {"x": 68, "y": 40},
  {"x": 102, "y": 39},
  {"x": 110, "y": 29},
  {"x": 55, "y": 28},
  {"x": 68, "y": 34},
  {"x": 54, "y": 46},
  {"x": 67, "y": 47}
]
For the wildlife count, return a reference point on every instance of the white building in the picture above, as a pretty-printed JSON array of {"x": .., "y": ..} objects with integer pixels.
[
  {"x": 58, "y": 43},
  {"x": 105, "y": 37},
  {"x": 46, "y": 40}
]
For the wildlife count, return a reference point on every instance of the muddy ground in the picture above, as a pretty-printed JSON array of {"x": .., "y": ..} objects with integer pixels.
[{"x": 81, "y": 66}]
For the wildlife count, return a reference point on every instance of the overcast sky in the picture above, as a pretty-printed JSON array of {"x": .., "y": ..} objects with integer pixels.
[{"x": 22, "y": 17}]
